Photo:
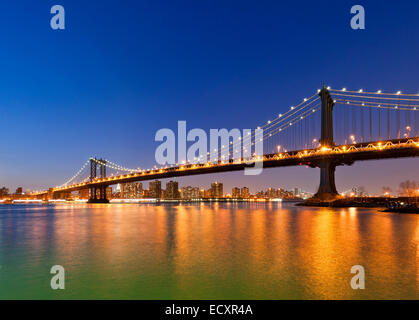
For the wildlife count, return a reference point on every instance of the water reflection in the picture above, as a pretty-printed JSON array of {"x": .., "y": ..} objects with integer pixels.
[{"x": 206, "y": 251}]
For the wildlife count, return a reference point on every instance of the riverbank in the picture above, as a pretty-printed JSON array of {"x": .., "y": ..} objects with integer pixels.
[
  {"x": 148, "y": 201},
  {"x": 356, "y": 202}
]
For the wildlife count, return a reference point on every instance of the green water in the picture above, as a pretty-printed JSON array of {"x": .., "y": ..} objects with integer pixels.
[{"x": 206, "y": 251}]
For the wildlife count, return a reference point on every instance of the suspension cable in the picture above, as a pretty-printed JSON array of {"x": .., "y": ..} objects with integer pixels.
[{"x": 76, "y": 175}]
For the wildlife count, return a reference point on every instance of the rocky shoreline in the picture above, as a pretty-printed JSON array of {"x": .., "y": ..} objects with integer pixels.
[{"x": 373, "y": 202}]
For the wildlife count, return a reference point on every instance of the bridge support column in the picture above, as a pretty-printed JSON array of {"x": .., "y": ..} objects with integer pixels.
[
  {"x": 94, "y": 195},
  {"x": 101, "y": 188},
  {"x": 327, "y": 189}
]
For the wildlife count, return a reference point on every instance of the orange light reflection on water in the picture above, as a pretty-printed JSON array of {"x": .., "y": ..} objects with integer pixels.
[{"x": 215, "y": 251}]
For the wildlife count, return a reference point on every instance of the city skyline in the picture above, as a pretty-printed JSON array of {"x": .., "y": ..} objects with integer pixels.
[{"x": 404, "y": 188}]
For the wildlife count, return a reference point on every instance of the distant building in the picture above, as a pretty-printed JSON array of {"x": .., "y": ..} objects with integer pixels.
[
  {"x": 244, "y": 193},
  {"x": 19, "y": 191},
  {"x": 172, "y": 190},
  {"x": 273, "y": 193},
  {"x": 235, "y": 193},
  {"x": 208, "y": 193},
  {"x": 217, "y": 190},
  {"x": 109, "y": 194},
  {"x": 84, "y": 194},
  {"x": 4, "y": 192},
  {"x": 189, "y": 193},
  {"x": 202, "y": 193},
  {"x": 131, "y": 190},
  {"x": 155, "y": 189},
  {"x": 260, "y": 194}
]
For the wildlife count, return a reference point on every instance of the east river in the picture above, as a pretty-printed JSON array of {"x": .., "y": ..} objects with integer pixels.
[{"x": 206, "y": 251}]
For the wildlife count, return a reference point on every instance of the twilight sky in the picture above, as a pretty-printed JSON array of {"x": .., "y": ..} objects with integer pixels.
[{"x": 121, "y": 70}]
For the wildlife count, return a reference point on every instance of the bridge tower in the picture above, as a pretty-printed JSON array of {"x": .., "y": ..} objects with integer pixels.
[
  {"x": 327, "y": 188},
  {"x": 101, "y": 189}
]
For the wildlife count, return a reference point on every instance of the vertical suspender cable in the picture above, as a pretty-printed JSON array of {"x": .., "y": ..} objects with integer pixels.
[
  {"x": 379, "y": 123},
  {"x": 362, "y": 124},
  {"x": 388, "y": 125},
  {"x": 370, "y": 113}
]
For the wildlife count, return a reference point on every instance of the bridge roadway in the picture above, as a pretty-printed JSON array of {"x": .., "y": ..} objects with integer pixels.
[{"x": 339, "y": 155}]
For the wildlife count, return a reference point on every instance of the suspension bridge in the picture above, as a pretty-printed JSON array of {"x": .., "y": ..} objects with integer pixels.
[{"x": 331, "y": 128}]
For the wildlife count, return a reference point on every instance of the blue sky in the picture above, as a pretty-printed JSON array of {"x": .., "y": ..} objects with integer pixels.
[{"x": 121, "y": 70}]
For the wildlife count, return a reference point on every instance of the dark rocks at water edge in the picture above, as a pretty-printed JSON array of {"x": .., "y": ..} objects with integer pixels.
[{"x": 371, "y": 202}]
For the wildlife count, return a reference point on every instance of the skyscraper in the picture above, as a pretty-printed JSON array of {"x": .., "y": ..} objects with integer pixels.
[
  {"x": 189, "y": 193},
  {"x": 131, "y": 190},
  {"x": 155, "y": 189},
  {"x": 217, "y": 190},
  {"x": 4, "y": 192},
  {"x": 172, "y": 190},
  {"x": 235, "y": 192},
  {"x": 244, "y": 193}
]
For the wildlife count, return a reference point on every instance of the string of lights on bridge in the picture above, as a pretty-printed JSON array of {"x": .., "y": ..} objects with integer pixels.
[
  {"x": 76, "y": 175},
  {"x": 295, "y": 114},
  {"x": 274, "y": 127},
  {"x": 300, "y": 155}
]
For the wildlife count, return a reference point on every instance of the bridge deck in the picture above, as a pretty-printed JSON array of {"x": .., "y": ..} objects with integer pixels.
[{"x": 340, "y": 155}]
